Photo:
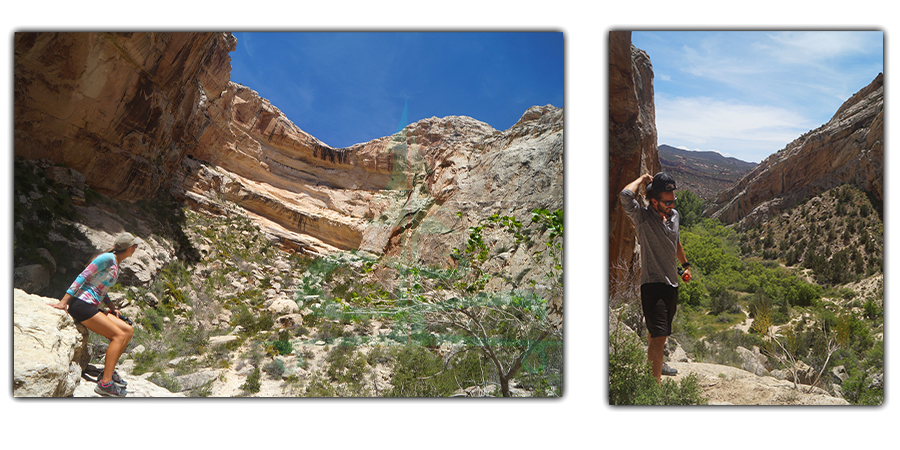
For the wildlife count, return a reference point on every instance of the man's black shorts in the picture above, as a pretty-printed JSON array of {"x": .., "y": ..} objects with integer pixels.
[
  {"x": 81, "y": 310},
  {"x": 659, "y": 301}
]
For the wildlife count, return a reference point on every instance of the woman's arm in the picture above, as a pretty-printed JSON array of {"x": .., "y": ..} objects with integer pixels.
[{"x": 112, "y": 306}]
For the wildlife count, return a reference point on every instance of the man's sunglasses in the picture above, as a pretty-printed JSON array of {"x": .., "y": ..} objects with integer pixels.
[{"x": 670, "y": 203}]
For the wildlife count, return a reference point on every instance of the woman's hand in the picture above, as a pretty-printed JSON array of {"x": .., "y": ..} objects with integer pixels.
[{"x": 62, "y": 304}]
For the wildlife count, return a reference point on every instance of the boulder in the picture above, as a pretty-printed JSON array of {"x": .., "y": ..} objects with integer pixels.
[
  {"x": 49, "y": 350},
  {"x": 283, "y": 306},
  {"x": 31, "y": 278},
  {"x": 840, "y": 374},
  {"x": 289, "y": 321},
  {"x": 753, "y": 361}
]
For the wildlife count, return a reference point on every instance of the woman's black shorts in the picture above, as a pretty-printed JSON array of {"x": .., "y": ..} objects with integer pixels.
[
  {"x": 81, "y": 310},
  {"x": 659, "y": 302}
]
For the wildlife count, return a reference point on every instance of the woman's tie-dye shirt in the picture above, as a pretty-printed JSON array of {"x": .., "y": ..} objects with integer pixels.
[{"x": 94, "y": 282}]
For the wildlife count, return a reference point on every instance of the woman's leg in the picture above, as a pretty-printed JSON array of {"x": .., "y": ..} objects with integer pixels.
[{"x": 119, "y": 334}]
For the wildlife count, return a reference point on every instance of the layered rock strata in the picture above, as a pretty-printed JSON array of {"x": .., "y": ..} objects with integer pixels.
[
  {"x": 121, "y": 108},
  {"x": 849, "y": 149},
  {"x": 139, "y": 112}
]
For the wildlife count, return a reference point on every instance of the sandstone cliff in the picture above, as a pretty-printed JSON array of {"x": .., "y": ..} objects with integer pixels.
[
  {"x": 121, "y": 108},
  {"x": 632, "y": 144},
  {"x": 139, "y": 113},
  {"x": 849, "y": 149},
  {"x": 318, "y": 199}
]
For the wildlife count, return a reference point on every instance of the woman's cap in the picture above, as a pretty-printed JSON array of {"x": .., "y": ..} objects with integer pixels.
[{"x": 124, "y": 241}]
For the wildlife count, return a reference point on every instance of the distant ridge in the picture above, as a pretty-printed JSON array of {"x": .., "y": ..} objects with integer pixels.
[{"x": 703, "y": 173}]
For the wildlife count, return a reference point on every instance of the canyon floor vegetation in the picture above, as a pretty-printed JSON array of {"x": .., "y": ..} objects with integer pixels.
[
  {"x": 230, "y": 314},
  {"x": 804, "y": 290}
]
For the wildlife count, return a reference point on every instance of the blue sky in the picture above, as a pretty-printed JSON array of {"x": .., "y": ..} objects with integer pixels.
[
  {"x": 350, "y": 87},
  {"x": 747, "y": 94}
]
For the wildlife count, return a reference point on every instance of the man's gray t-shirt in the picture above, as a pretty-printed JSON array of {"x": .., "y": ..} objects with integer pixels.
[{"x": 658, "y": 239}]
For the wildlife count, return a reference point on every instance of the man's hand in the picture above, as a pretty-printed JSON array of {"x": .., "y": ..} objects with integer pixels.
[{"x": 642, "y": 180}]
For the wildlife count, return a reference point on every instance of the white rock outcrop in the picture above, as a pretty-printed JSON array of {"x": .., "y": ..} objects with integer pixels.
[{"x": 50, "y": 350}]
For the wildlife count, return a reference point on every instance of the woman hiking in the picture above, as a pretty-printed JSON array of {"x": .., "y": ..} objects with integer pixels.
[{"x": 82, "y": 300}]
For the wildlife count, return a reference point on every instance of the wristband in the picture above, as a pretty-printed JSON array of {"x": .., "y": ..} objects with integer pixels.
[{"x": 685, "y": 265}]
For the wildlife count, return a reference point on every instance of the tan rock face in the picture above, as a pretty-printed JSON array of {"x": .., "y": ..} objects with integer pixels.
[
  {"x": 120, "y": 108},
  {"x": 136, "y": 112},
  {"x": 847, "y": 149},
  {"x": 632, "y": 144}
]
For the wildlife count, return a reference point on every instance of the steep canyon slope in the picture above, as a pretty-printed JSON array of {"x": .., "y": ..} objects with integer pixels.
[
  {"x": 142, "y": 113},
  {"x": 849, "y": 149}
]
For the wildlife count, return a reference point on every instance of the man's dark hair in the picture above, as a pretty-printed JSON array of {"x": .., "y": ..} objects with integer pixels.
[{"x": 653, "y": 194}]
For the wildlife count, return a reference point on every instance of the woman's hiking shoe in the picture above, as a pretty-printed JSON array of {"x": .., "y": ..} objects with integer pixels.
[
  {"x": 109, "y": 390},
  {"x": 118, "y": 380},
  {"x": 666, "y": 370}
]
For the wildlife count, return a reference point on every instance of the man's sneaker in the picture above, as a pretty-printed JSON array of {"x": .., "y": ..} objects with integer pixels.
[
  {"x": 118, "y": 380},
  {"x": 109, "y": 390},
  {"x": 666, "y": 370}
]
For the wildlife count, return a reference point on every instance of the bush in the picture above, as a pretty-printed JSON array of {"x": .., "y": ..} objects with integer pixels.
[
  {"x": 420, "y": 373},
  {"x": 252, "y": 323},
  {"x": 692, "y": 293},
  {"x": 166, "y": 381},
  {"x": 723, "y": 300},
  {"x": 282, "y": 347},
  {"x": 631, "y": 381},
  {"x": 252, "y": 385},
  {"x": 275, "y": 368}
]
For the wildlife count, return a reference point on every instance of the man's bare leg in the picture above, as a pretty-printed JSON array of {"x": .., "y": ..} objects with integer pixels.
[{"x": 655, "y": 355}]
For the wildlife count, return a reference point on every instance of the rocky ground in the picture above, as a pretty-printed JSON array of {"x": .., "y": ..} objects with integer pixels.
[{"x": 725, "y": 385}]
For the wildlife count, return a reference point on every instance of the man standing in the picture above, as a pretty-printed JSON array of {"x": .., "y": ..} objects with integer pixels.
[{"x": 656, "y": 226}]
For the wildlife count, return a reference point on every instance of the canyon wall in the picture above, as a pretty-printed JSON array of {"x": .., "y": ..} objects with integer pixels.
[
  {"x": 849, "y": 149},
  {"x": 632, "y": 146},
  {"x": 121, "y": 108},
  {"x": 140, "y": 113}
]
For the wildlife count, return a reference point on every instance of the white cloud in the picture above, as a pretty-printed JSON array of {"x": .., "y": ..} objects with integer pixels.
[
  {"x": 808, "y": 47},
  {"x": 699, "y": 119},
  {"x": 748, "y": 132}
]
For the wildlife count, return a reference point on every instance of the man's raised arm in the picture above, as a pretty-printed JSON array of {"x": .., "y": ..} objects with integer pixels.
[{"x": 644, "y": 179}]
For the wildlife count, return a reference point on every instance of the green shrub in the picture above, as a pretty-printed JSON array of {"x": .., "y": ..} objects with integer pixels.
[
  {"x": 145, "y": 361},
  {"x": 631, "y": 381},
  {"x": 275, "y": 368},
  {"x": 319, "y": 386},
  {"x": 723, "y": 300},
  {"x": 417, "y": 373},
  {"x": 252, "y": 323},
  {"x": 252, "y": 385},
  {"x": 166, "y": 381},
  {"x": 283, "y": 347}
]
